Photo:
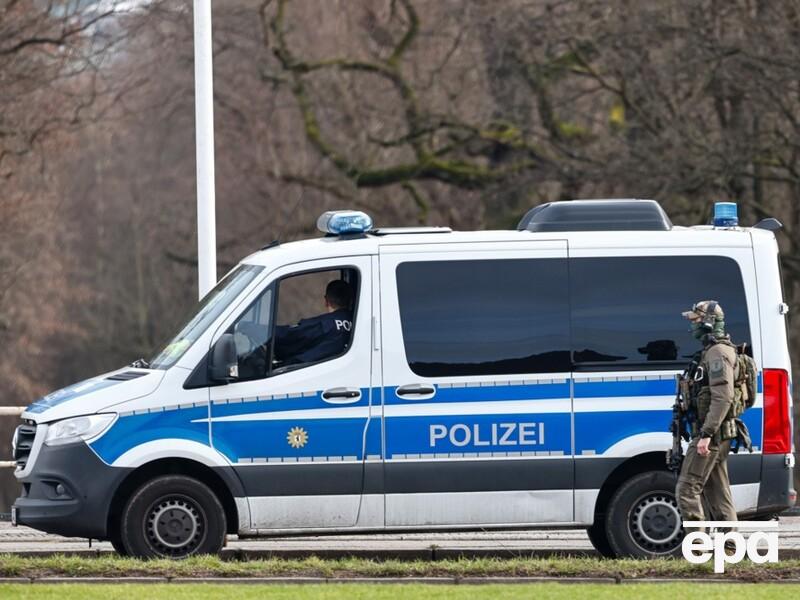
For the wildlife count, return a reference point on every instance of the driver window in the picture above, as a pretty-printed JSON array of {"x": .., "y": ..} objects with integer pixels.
[
  {"x": 314, "y": 322},
  {"x": 315, "y": 317},
  {"x": 251, "y": 334}
]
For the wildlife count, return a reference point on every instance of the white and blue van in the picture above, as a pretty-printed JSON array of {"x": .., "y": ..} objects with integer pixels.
[{"x": 490, "y": 379}]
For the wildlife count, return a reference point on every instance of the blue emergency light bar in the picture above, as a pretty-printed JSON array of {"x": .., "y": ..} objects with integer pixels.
[
  {"x": 339, "y": 222},
  {"x": 725, "y": 214}
]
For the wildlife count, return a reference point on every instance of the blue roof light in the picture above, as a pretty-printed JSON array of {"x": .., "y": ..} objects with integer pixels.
[
  {"x": 338, "y": 222},
  {"x": 725, "y": 214}
]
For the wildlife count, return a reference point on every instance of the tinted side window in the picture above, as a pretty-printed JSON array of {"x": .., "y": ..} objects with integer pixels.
[
  {"x": 626, "y": 311},
  {"x": 484, "y": 317}
]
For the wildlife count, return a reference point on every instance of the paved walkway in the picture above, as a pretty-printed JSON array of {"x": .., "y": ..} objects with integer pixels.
[{"x": 26, "y": 541}]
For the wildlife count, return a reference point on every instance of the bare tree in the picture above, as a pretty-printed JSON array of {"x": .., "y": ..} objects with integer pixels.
[{"x": 51, "y": 82}]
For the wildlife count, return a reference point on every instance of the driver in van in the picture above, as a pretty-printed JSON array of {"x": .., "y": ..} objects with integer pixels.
[{"x": 319, "y": 337}]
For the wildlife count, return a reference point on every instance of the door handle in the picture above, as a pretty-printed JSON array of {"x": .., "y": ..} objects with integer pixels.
[
  {"x": 341, "y": 395},
  {"x": 415, "y": 391}
]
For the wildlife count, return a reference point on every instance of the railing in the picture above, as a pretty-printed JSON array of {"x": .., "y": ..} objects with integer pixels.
[{"x": 11, "y": 411}]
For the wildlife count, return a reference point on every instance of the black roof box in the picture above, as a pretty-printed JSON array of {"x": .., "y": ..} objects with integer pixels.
[{"x": 596, "y": 215}]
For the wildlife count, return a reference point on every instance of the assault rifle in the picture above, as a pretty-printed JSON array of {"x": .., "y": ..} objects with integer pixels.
[{"x": 680, "y": 414}]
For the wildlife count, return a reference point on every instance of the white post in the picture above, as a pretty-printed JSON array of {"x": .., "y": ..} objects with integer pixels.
[{"x": 204, "y": 136}]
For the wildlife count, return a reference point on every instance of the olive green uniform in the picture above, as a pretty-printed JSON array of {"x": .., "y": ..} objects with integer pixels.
[{"x": 707, "y": 476}]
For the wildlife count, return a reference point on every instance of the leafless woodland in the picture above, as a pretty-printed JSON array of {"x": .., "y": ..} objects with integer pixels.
[{"x": 457, "y": 112}]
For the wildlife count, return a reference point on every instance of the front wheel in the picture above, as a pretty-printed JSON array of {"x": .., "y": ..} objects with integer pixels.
[
  {"x": 599, "y": 538},
  {"x": 642, "y": 519},
  {"x": 116, "y": 543},
  {"x": 173, "y": 516}
]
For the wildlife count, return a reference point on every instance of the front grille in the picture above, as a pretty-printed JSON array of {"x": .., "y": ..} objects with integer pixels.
[{"x": 23, "y": 442}]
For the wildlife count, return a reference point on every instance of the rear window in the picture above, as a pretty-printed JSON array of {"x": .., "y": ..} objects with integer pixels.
[
  {"x": 484, "y": 317},
  {"x": 626, "y": 311}
]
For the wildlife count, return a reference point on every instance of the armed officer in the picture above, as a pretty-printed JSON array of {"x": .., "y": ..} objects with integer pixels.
[
  {"x": 704, "y": 472},
  {"x": 319, "y": 337}
]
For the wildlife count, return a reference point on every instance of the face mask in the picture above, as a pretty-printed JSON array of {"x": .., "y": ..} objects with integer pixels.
[
  {"x": 697, "y": 329},
  {"x": 719, "y": 329}
]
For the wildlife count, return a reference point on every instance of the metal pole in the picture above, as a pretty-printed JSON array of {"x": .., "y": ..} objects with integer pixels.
[{"x": 204, "y": 135}]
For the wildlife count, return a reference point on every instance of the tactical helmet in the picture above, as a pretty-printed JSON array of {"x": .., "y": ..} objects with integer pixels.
[{"x": 709, "y": 311}]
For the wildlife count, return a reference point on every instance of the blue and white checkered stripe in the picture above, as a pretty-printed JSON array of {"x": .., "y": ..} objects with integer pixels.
[{"x": 605, "y": 411}]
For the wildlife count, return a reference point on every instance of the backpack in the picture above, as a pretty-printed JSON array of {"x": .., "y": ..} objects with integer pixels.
[{"x": 745, "y": 382}]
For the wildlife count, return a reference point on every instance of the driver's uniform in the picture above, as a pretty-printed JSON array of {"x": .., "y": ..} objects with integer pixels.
[{"x": 314, "y": 339}]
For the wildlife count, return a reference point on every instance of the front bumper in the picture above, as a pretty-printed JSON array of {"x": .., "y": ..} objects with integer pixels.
[{"x": 68, "y": 492}]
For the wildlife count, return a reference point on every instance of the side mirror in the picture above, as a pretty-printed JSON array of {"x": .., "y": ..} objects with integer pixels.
[{"x": 224, "y": 364}]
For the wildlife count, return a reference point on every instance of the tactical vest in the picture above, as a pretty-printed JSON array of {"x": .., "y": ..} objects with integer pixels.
[{"x": 701, "y": 393}]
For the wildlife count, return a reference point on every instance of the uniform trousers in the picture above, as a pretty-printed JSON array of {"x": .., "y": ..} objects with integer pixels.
[{"x": 705, "y": 478}]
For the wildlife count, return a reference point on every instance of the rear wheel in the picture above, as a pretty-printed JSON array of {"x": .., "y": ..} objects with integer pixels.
[
  {"x": 173, "y": 516},
  {"x": 642, "y": 519}
]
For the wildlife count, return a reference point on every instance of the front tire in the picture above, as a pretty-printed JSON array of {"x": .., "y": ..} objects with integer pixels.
[
  {"x": 116, "y": 543},
  {"x": 599, "y": 538},
  {"x": 173, "y": 516},
  {"x": 642, "y": 520}
]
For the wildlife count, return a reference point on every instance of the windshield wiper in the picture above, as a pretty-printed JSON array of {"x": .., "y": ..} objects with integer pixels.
[{"x": 140, "y": 363}]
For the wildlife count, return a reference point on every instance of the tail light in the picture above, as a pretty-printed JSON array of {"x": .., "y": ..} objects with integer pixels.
[{"x": 777, "y": 423}]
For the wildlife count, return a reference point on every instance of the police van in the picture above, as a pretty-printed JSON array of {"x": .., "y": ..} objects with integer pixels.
[{"x": 490, "y": 379}]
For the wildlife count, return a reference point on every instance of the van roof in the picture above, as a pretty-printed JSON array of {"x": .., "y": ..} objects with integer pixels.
[{"x": 332, "y": 246}]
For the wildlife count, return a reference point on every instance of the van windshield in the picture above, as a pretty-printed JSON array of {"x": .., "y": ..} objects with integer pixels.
[{"x": 205, "y": 314}]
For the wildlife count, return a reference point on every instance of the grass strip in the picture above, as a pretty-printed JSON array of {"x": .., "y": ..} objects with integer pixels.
[
  {"x": 540, "y": 591},
  {"x": 212, "y": 566}
]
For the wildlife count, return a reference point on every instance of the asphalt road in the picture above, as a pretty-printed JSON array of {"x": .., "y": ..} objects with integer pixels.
[{"x": 546, "y": 542}]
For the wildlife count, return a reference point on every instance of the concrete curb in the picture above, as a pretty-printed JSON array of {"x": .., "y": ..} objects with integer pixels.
[
  {"x": 98, "y": 580},
  {"x": 427, "y": 554},
  {"x": 425, "y": 580},
  {"x": 250, "y": 580},
  {"x": 502, "y": 580},
  {"x": 373, "y": 580},
  {"x": 330, "y": 553}
]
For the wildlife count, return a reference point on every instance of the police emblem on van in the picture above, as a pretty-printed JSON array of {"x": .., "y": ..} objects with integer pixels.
[{"x": 297, "y": 437}]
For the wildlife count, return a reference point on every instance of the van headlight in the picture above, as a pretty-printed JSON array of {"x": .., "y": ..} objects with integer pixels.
[{"x": 77, "y": 429}]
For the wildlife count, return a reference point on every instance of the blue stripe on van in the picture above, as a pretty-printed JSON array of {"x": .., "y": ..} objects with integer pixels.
[
  {"x": 598, "y": 431},
  {"x": 374, "y": 437},
  {"x": 326, "y": 438},
  {"x": 594, "y": 431},
  {"x": 133, "y": 430},
  {"x": 754, "y": 418},
  {"x": 341, "y": 437},
  {"x": 648, "y": 387}
]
